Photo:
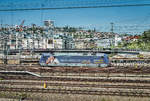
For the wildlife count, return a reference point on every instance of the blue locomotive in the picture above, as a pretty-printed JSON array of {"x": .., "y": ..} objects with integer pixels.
[{"x": 78, "y": 60}]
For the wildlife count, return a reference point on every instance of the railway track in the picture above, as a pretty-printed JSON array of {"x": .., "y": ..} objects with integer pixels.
[
  {"x": 37, "y": 68},
  {"x": 108, "y": 70},
  {"x": 77, "y": 85},
  {"x": 85, "y": 92},
  {"x": 81, "y": 79}
]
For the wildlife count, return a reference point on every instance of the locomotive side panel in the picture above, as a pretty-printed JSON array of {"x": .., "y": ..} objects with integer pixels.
[{"x": 66, "y": 60}]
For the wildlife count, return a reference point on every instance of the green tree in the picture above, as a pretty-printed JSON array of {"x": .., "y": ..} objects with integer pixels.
[{"x": 146, "y": 36}]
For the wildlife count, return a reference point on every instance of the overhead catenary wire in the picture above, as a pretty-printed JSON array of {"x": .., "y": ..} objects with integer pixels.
[{"x": 76, "y": 6}]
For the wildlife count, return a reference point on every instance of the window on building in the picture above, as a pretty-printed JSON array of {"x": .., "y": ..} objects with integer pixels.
[
  {"x": 13, "y": 41},
  {"x": 50, "y": 41}
]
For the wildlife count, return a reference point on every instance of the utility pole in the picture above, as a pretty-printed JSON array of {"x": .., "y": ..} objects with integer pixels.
[
  {"x": 112, "y": 33},
  {"x": 1, "y": 23},
  {"x": 5, "y": 49},
  {"x": 12, "y": 13},
  {"x": 112, "y": 27}
]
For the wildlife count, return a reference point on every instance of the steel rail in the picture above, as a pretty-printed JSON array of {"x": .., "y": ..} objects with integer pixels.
[
  {"x": 144, "y": 70},
  {"x": 81, "y": 79},
  {"x": 76, "y": 85},
  {"x": 85, "y": 92}
]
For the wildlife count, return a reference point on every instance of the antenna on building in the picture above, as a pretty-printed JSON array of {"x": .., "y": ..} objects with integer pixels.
[{"x": 112, "y": 27}]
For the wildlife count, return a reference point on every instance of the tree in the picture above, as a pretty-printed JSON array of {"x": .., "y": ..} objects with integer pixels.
[{"x": 146, "y": 36}]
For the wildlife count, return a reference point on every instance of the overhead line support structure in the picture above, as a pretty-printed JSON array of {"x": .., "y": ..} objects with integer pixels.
[{"x": 75, "y": 7}]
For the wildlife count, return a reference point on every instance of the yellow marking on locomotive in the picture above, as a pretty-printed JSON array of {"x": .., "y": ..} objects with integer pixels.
[{"x": 98, "y": 62}]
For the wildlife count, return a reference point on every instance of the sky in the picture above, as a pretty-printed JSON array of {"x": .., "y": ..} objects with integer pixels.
[{"x": 126, "y": 19}]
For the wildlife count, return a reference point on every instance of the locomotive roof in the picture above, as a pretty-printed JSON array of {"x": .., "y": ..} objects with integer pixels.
[{"x": 74, "y": 54}]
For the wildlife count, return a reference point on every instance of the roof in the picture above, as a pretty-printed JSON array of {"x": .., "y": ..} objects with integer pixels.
[{"x": 132, "y": 37}]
